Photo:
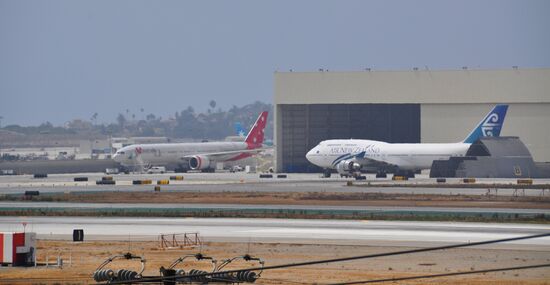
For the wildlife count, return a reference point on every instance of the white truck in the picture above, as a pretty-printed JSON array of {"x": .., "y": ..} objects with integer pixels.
[{"x": 156, "y": 169}]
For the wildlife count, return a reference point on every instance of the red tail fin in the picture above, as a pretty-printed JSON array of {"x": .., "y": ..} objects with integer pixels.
[{"x": 255, "y": 137}]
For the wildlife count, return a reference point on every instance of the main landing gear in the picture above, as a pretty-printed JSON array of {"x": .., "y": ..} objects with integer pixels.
[{"x": 381, "y": 174}]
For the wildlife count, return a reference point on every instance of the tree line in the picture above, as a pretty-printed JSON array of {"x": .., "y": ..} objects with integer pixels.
[{"x": 215, "y": 123}]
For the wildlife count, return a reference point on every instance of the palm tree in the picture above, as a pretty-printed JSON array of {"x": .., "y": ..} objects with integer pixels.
[
  {"x": 121, "y": 120},
  {"x": 150, "y": 117},
  {"x": 94, "y": 118}
]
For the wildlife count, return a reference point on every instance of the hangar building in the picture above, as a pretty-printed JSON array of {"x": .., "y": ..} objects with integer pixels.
[{"x": 405, "y": 106}]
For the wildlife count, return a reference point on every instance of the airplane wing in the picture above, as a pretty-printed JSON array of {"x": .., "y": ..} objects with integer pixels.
[
  {"x": 373, "y": 165},
  {"x": 226, "y": 155}
]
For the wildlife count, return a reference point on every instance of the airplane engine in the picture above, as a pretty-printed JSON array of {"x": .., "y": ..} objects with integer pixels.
[
  {"x": 347, "y": 167},
  {"x": 199, "y": 162}
]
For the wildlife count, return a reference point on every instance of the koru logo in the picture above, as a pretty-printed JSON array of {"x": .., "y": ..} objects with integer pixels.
[{"x": 490, "y": 123}]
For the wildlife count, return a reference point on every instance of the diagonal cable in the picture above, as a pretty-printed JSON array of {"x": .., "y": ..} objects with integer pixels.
[{"x": 443, "y": 274}]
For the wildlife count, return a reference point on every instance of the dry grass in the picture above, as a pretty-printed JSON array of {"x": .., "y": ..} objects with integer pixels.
[
  {"x": 312, "y": 198},
  {"x": 88, "y": 255}
]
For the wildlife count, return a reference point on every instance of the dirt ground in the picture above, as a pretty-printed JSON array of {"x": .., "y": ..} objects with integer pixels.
[
  {"x": 81, "y": 259},
  {"x": 312, "y": 198}
]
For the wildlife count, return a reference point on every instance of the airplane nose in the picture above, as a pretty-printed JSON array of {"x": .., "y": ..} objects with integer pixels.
[{"x": 309, "y": 156}]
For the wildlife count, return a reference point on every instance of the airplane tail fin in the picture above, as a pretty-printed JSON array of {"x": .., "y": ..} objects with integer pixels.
[
  {"x": 255, "y": 137},
  {"x": 239, "y": 130},
  {"x": 490, "y": 126}
]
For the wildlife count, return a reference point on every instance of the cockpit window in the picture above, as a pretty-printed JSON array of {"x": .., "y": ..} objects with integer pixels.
[{"x": 120, "y": 152}]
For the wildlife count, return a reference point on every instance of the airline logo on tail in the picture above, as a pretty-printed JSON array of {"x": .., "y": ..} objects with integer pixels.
[
  {"x": 490, "y": 126},
  {"x": 255, "y": 137},
  {"x": 239, "y": 130}
]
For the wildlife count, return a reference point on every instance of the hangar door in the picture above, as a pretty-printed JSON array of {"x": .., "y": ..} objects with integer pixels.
[{"x": 305, "y": 125}]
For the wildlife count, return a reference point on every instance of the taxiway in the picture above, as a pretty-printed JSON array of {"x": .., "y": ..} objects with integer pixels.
[{"x": 282, "y": 230}]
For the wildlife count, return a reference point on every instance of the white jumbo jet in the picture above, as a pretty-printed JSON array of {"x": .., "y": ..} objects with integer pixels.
[
  {"x": 349, "y": 156},
  {"x": 193, "y": 156}
]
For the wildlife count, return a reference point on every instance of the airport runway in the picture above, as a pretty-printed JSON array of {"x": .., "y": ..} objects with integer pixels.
[
  {"x": 321, "y": 186},
  {"x": 225, "y": 177},
  {"x": 240, "y": 182},
  {"x": 282, "y": 230}
]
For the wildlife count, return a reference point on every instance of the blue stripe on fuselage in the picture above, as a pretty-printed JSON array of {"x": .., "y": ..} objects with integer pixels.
[
  {"x": 347, "y": 156},
  {"x": 340, "y": 158}
]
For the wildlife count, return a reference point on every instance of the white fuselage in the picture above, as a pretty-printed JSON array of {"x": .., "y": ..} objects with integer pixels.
[
  {"x": 407, "y": 156},
  {"x": 175, "y": 153}
]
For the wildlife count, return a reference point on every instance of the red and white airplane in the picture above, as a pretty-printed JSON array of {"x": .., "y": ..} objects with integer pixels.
[{"x": 194, "y": 156}]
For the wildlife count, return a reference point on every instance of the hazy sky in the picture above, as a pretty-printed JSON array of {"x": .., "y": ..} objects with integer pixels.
[{"x": 61, "y": 60}]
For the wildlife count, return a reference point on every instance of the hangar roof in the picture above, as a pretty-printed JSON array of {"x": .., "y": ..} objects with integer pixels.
[
  {"x": 499, "y": 147},
  {"x": 515, "y": 85}
]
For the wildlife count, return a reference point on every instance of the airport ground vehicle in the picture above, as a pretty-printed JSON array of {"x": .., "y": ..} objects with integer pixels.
[
  {"x": 7, "y": 172},
  {"x": 236, "y": 168},
  {"x": 156, "y": 169},
  {"x": 112, "y": 171}
]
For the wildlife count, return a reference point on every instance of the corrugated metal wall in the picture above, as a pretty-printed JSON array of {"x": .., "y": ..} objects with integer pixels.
[{"x": 304, "y": 126}]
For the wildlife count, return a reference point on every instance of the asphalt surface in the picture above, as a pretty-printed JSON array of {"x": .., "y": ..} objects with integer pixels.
[
  {"x": 265, "y": 230},
  {"x": 243, "y": 182},
  {"x": 66, "y": 205},
  {"x": 282, "y": 230}
]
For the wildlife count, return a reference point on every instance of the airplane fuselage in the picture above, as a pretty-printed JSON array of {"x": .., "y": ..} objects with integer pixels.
[
  {"x": 407, "y": 156},
  {"x": 175, "y": 153},
  {"x": 349, "y": 156},
  {"x": 196, "y": 156}
]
